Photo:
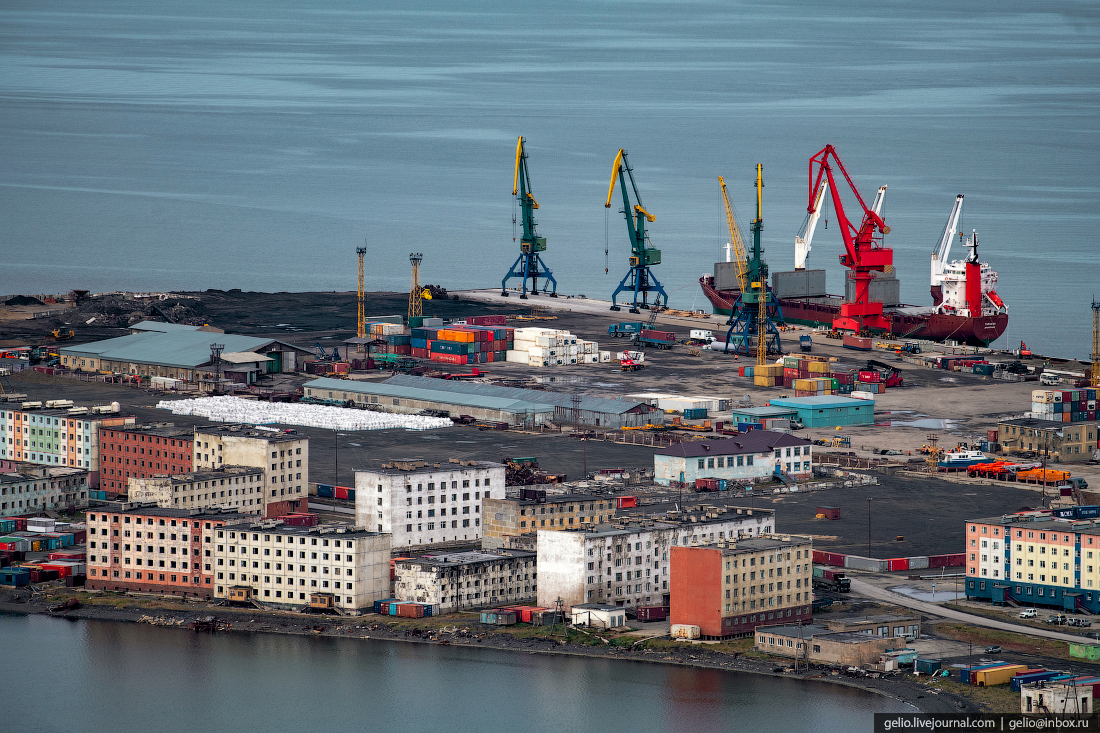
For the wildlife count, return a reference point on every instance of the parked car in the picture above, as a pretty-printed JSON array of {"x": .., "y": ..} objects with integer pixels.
[
  {"x": 1027, "y": 613},
  {"x": 1056, "y": 619},
  {"x": 993, "y": 649},
  {"x": 1079, "y": 622}
]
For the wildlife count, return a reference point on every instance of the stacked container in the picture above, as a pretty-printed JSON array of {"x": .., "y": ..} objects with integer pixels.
[
  {"x": 461, "y": 344},
  {"x": 1076, "y": 405},
  {"x": 547, "y": 347}
]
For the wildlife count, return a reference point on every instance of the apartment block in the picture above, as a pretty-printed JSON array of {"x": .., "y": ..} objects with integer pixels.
[
  {"x": 142, "y": 451},
  {"x": 283, "y": 566},
  {"x": 149, "y": 549},
  {"x": 627, "y": 564},
  {"x": 457, "y": 580},
  {"x": 508, "y": 518},
  {"x": 283, "y": 454},
  {"x": 235, "y": 488},
  {"x": 33, "y": 488},
  {"x": 730, "y": 587},
  {"x": 423, "y": 505},
  {"x": 1034, "y": 559},
  {"x": 55, "y": 437}
]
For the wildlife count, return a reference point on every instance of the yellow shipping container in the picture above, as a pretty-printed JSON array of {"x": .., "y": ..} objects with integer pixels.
[
  {"x": 769, "y": 370},
  {"x": 997, "y": 675},
  {"x": 819, "y": 367},
  {"x": 805, "y": 385},
  {"x": 763, "y": 381}
]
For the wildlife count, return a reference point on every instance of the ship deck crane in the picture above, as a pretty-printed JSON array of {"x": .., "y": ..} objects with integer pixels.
[
  {"x": 755, "y": 312},
  {"x": 529, "y": 264},
  {"x": 640, "y": 280},
  {"x": 943, "y": 249},
  {"x": 863, "y": 254},
  {"x": 805, "y": 235}
]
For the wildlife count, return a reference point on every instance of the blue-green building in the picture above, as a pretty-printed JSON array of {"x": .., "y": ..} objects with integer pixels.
[{"x": 825, "y": 411}]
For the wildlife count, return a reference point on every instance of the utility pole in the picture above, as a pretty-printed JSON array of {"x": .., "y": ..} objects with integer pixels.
[
  {"x": 868, "y": 526},
  {"x": 336, "y": 480}
]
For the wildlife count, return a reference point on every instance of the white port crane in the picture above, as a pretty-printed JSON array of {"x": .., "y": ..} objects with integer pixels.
[
  {"x": 943, "y": 249},
  {"x": 805, "y": 235}
]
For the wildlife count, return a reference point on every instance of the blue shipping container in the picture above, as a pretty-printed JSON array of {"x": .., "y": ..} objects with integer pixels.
[
  {"x": 324, "y": 491},
  {"x": 1088, "y": 512},
  {"x": 351, "y": 494}
]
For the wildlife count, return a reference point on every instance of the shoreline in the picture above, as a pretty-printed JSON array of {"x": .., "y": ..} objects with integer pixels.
[{"x": 374, "y": 627}]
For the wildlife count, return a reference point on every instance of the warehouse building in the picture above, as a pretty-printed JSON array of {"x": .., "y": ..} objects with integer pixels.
[
  {"x": 1061, "y": 441},
  {"x": 179, "y": 352},
  {"x": 505, "y": 519},
  {"x": 423, "y": 505},
  {"x": 627, "y": 564},
  {"x": 473, "y": 579},
  {"x": 291, "y": 567},
  {"x": 758, "y": 455},
  {"x": 731, "y": 587},
  {"x": 1032, "y": 559},
  {"x": 818, "y": 643},
  {"x": 825, "y": 411}
]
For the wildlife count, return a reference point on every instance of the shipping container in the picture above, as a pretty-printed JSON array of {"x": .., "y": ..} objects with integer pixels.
[
  {"x": 410, "y": 610},
  {"x": 652, "y": 613},
  {"x": 324, "y": 492},
  {"x": 627, "y": 502},
  {"x": 927, "y": 666}
]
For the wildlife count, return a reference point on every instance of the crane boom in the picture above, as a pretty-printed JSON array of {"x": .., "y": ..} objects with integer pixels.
[
  {"x": 735, "y": 239},
  {"x": 805, "y": 235},
  {"x": 877, "y": 206},
  {"x": 943, "y": 249}
]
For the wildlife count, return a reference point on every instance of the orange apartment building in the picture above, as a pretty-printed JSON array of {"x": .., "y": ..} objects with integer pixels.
[{"x": 729, "y": 588}]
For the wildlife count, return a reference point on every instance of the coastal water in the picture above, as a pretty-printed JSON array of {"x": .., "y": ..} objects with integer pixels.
[
  {"x": 252, "y": 144},
  {"x": 99, "y": 675}
]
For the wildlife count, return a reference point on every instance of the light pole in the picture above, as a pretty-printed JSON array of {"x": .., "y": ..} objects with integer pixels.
[{"x": 868, "y": 526}]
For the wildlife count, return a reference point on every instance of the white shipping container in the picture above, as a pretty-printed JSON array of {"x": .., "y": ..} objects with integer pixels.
[
  {"x": 605, "y": 357},
  {"x": 862, "y": 396},
  {"x": 517, "y": 357},
  {"x": 591, "y": 358},
  {"x": 539, "y": 351},
  {"x": 684, "y": 631},
  {"x": 699, "y": 333}
]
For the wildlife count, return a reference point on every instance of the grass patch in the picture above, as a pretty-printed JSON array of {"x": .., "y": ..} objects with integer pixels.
[
  {"x": 1009, "y": 641},
  {"x": 997, "y": 699}
]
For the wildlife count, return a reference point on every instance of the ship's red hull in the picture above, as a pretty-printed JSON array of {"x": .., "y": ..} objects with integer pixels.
[{"x": 929, "y": 326}]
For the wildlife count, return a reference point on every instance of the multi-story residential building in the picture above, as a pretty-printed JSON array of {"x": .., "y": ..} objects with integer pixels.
[
  {"x": 627, "y": 564},
  {"x": 34, "y": 488},
  {"x": 423, "y": 505},
  {"x": 237, "y": 488},
  {"x": 507, "y": 518},
  {"x": 145, "y": 548},
  {"x": 731, "y": 587},
  {"x": 757, "y": 455},
  {"x": 1034, "y": 559},
  {"x": 1061, "y": 441},
  {"x": 472, "y": 579},
  {"x": 55, "y": 437},
  {"x": 286, "y": 566},
  {"x": 283, "y": 454},
  {"x": 142, "y": 451}
]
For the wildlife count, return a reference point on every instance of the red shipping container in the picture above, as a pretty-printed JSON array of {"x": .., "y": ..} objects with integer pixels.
[
  {"x": 626, "y": 502},
  {"x": 898, "y": 563},
  {"x": 61, "y": 570},
  {"x": 819, "y": 557},
  {"x": 652, "y": 613},
  {"x": 66, "y": 556},
  {"x": 340, "y": 492},
  {"x": 419, "y": 353},
  {"x": 410, "y": 610},
  {"x": 790, "y": 372},
  {"x": 740, "y": 371},
  {"x": 835, "y": 558}
]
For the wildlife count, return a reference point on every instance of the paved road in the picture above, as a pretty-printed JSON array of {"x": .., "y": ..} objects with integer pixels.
[{"x": 897, "y": 599}]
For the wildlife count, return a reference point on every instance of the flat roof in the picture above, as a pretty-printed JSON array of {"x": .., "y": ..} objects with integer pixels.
[
  {"x": 763, "y": 411},
  {"x": 596, "y": 607},
  {"x": 807, "y": 630},
  {"x": 619, "y": 527},
  {"x": 819, "y": 401},
  {"x": 251, "y": 431},
  {"x": 555, "y": 399},
  {"x": 443, "y": 466},
  {"x": 435, "y": 393},
  {"x": 876, "y": 618},
  {"x": 1037, "y": 424},
  {"x": 558, "y": 499},
  {"x": 468, "y": 557},
  {"x": 150, "y": 509},
  {"x": 326, "y": 531},
  {"x": 161, "y": 431},
  {"x": 226, "y": 472},
  {"x": 757, "y": 544},
  {"x": 754, "y": 441},
  {"x": 1043, "y": 522}
]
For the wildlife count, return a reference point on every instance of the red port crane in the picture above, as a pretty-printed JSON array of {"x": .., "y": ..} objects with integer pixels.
[{"x": 864, "y": 253}]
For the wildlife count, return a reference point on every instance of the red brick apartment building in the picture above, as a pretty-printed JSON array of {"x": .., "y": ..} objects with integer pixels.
[
  {"x": 730, "y": 588},
  {"x": 147, "y": 549},
  {"x": 141, "y": 452}
]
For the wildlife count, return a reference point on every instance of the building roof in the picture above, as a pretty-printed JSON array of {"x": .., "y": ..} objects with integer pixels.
[
  {"x": 1042, "y": 521},
  {"x": 1036, "y": 424},
  {"x": 764, "y": 411},
  {"x": 626, "y": 527},
  {"x": 335, "y": 531},
  {"x": 754, "y": 441},
  {"x": 819, "y": 402},
  {"x": 161, "y": 327},
  {"x": 756, "y": 544},
  {"x": 244, "y": 357},
  {"x": 430, "y": 468},
  {"x": 595, "y": 607},
  {"x": 221, "y": 473},
  {"x": 244, "y": 430},
  {"x": 556, "y": 399},
  {"x": 559, "y": 499},
  {"x": 469, "y": 557},
  {"x": 880, "y": 618},
  {"x": 37, "y": 472},
  {"x": 160, "y": 431},
  {"x": 180, "y": 348},
  {"x": 434, "y": 391},
  {"x": 150, "y": 509},
  {"x": 793, "y": 630}
]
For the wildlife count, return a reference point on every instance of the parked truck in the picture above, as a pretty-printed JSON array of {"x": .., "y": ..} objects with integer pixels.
[
  {"x": 625, "y": 329},
  {"x": 833, "y": 580},
  {"x": 658, "y": 339},
  {"x": 805, "y": 343},
  {"x": 700, "y": 335}
]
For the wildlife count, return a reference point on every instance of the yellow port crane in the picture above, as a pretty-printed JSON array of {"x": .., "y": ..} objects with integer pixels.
[
  {"x": 736, "y": 242},
  {"x": 360, "y": 323}
]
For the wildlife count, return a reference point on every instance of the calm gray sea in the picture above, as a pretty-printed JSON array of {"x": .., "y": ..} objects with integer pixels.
[
  {"x": 255, "y": 144},
  {"x": 105, "y": 676}
]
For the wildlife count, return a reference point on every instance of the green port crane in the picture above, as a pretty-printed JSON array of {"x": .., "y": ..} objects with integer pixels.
[
  {"x": 529, "y": 265},
  {"x": 643, "y": 255}
]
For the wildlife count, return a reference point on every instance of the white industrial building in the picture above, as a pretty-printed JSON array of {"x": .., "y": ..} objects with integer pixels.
[
  {"x": 597, "y": 615},
  {"x": 758, "y": 455},
  {"x": 284, "y": 566},
  {"x": 627, "y": 564},
  {"x": 422, "y": 504},
  {"x": 472, "y": 579},
  {"x": 241, "y": 488}
]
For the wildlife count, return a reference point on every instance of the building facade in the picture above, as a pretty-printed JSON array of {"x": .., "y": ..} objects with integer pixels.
[
  {"x": 55, "y": 438},
  {"x": 424, "y": 505},
  {"x": 754, "y": 456},
  {"x": 1056, "y": 698},
  {"x": 236, "y": 488},
  {"x": 34, "y": 488},
  {"x": 818, "y": 643},
  {"x": 283, "y": 566},
  {"x": 627, "y": 564},
  {"x": 142, "y": 451},
  {"x": 1060, "y": 441},
  {"x": 731, "y": 587},
  {"x": 146, "y": 549},
  {"x": 454, "y": 581},
  {"x": 282, "y": 454},
  {"x": 504, "y": 519},
  {"x": 826, "y": 411},
  {"x": 1034, "y": 559}
]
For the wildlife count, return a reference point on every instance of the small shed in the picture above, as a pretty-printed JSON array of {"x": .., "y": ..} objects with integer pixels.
[
  {"x": 828, "y": 512},
  {"x": 599, "y": 616},
  {"x": 15, "y": 576},
  {"x": 498, "y": 617},
  {"x": 240, "y": 594}
]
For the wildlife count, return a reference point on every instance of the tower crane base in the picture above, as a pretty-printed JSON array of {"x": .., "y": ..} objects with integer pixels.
[
  {"x": 616, "y": 308},
  {"x": 635, "y": 310}
]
